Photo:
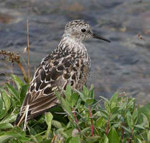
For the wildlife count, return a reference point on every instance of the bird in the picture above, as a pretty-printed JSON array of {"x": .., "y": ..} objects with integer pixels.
[{"x": 68, "y": 64}]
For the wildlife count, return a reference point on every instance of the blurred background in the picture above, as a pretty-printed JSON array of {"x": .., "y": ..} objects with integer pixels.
[{"x": 123, "y": 65}]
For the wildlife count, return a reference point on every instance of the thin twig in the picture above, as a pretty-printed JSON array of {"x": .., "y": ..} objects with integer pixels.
[
  {"x": 23, "y": 71},
  {"x": 28, "y": 50}
]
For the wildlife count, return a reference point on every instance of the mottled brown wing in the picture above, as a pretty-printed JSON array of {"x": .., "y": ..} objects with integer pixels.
[{"x": 54, "y": 73}]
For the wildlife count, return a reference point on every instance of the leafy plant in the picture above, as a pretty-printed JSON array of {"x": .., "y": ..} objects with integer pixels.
[{"x": 79, "y": 118}]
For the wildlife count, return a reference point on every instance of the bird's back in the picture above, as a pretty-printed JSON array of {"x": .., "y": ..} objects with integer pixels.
[{"x": 58, "y": 69}]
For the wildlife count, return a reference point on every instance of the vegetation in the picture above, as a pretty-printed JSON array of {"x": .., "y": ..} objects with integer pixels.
[{"x": 79, "y": 118}]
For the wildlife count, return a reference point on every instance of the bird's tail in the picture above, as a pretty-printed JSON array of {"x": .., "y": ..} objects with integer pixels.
[
  {"x": 17, "y": 119},
  {"x": 22, "y": 116},
  {"x": 37, "y": 107}
]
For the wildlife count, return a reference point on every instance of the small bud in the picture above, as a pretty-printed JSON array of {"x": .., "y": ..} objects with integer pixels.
[{"x": 75, "y": 132}]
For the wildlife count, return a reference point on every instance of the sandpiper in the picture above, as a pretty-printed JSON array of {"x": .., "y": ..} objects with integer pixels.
[{"x": 69, "y": 63}]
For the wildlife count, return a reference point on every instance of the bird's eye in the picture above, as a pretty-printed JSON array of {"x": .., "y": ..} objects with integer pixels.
[{"x": 83, "y": 30}]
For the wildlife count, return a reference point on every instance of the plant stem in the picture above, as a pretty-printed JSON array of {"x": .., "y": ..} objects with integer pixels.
[
  {"x": 130, "y": 139},
  {"x": 23, "y": 71},
  {"x": 122, "y": 133},
  {"x": 53, "y": 139},
  {"x": 28, "y": 49},
  {"x": 75, "y": 116},
  {"x": 91, "y": 117},
  {"x": 76, "y": 119},
  {"x": 107, "y": 128}
]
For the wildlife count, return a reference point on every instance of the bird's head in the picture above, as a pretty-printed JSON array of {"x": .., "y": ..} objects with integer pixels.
[{"x": 80, "y": 30}]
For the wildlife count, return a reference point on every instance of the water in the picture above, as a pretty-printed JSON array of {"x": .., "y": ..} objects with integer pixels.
[{"x": 123, "y": 65}]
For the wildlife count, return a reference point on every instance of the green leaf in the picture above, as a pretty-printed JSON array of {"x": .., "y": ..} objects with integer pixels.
[
  {"x": 89, "y": 101},
  {"x": 5, "y": 126},
  {"x": 148, "y": 136},
  {"x": 9, "y": 118},
  {"x": 23, "y": 92},
  {"x": 82, "y": 96},
  {"x": 92, "y": 139},
  {"x": 75, "y": 140},
  {"x": 113, "y": 136},
  {"x": 126, "y": 129},
  {"x": 107, "y": 106},
  {"x": 85, "y": 130},
  {"x": 6, "y": 100},
  {"x": 63, "y": 133},
  {"x": 15, "y": 133},
  {"x": 68, "y": 93},
  {"x": 65, "y": 104},
  {"x": 85, "y": 92},
  {"x": 129, "y": 120},
  {"x": 131, "y": 103},
  {"x": 66, "y": 107},
  {"x": 139, "y": 126},
  {"x": 106, "y": 140},
  {"x": 113, "y": 116},
  {"x": 2, "y": 107},
  {"x": 5, "y": 138},
  {"x": 100, "y": 122},
  {"x": 144, "y": 120},
  {"x": 18, "y": 81},
  {"x": 5, "y": 103},
  {"x": 56, "y": 124},
  {"x": 135, "y": 115},
  {"x": 74, "y": 99},
  {"x": 146, "y": 110},
  {"x": 91, "y": 92},
  {"x": 13, "y": 91},
  {"x": 105, "y": 99},
  {"x": 139, "y": 141},
  {"x": 113, "y": 100},
  {"x": 48, "y": 119}
]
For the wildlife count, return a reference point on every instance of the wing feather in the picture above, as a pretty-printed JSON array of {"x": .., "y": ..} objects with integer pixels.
[{"x": 54, "y": 73}]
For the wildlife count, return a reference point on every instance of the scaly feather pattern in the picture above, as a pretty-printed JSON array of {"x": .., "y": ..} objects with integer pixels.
[
  {"x": 68, "y": 64},
  {"x": 63, "y": 66}
]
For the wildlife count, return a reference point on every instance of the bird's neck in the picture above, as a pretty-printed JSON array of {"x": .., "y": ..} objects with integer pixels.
[{"x": 72, "y": 46}]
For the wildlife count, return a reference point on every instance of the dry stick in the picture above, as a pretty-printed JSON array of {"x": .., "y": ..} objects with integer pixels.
[
  {"x": 91, "y": 117},
  {"x": 22, "y": 70},
  {"x": 28, "y": 50}
]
